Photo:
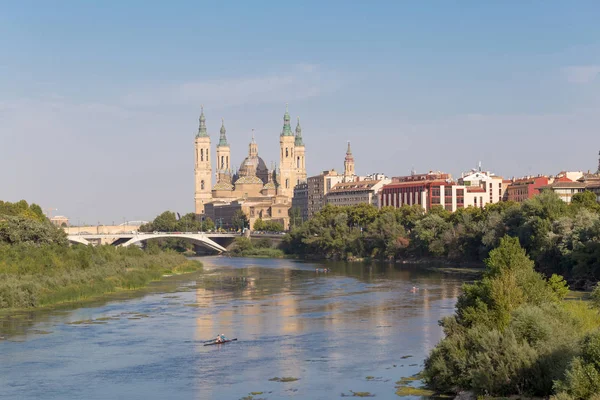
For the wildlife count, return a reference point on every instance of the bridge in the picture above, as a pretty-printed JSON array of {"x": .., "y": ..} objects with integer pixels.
[{"x": 205, "y": 240}]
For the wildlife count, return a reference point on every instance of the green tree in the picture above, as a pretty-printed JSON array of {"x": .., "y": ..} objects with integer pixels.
[
  {"x": 259, "y": 225},
  {"x": 207, "y": 224},
  {"x": 272, "y": 226},
  {"x": 295, "y": 217},
  {"x": 165, "y": 222},
  {"x": 239, "y": 220},
  {"x": 587, "y": 200}
]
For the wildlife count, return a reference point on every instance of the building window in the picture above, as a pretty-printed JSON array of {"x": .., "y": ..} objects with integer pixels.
[
  {"x": 286, "y": 152},
  {"x": 298, "y": 162},
  {"x": 201, "y": 185},
  {"x": 201, "y": 154},
  {"x": 287, "y": 183}
]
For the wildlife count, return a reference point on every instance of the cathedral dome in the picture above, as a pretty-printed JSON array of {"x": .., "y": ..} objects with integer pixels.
[{"x": 254, "y": 166}]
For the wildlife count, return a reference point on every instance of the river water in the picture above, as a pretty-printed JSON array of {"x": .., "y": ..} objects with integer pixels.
[{"x": 329, "y": 330}]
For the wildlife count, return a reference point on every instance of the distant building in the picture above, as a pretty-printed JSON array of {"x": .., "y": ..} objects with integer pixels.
[
  {"x": 357, "y": 192},
  {"x": 475, "y": 188},
  {"x": 422, "y": 189},
  {"x": 525, "y": 188},
  {"x": 300, "y": 199},
  {"x": 566, "y": 188},
  {"x": 253, "y": 182},
  {"x": 494, "y": 186},
  {"x": 275, "y": 209},
  {"x": 60, "y": 221},
  {"x": 318, "y": 187}
]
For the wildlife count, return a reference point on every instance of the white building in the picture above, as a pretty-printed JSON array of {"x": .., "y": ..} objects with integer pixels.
[{"x": 493, "y": 186}]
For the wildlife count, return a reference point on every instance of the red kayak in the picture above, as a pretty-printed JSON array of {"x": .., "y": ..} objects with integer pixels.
[{"x": 215, "y": 342}]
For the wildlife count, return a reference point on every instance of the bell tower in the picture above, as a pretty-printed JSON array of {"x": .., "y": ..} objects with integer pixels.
[
  {"x": 287, "y": 166},
  {"x": 349, "y": 165},
  {"x": 299, "y": 153},
  {"x": 223, "y": 154},
  {"x": 202, "y": 167}
]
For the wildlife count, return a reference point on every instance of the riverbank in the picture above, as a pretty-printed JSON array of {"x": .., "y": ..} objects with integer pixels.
[
  {"x": 33, "y": 277},
  {"x": 259, "y": 253}
]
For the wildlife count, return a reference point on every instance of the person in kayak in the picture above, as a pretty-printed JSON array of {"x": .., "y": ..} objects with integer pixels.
[{"x": 221, "y": 338}]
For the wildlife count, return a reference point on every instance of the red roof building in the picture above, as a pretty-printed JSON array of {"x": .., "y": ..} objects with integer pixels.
[{"x": 522, "y": 189}]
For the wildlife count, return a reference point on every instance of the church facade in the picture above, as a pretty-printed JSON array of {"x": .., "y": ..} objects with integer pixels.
[{"x": 258, "y": 191}]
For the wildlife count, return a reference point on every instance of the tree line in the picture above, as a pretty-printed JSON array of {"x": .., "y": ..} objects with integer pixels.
[
  {"x": 560, "y": 238},
  {"x": 513, "y": 334}
]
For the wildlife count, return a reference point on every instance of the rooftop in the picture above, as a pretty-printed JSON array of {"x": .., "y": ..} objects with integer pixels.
[
  {"x": 353, "y": 186},
  {"x": 445, "y": 182}
]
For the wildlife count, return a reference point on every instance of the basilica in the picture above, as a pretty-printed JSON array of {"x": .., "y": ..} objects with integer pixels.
[{"x": 258, "y": 191}]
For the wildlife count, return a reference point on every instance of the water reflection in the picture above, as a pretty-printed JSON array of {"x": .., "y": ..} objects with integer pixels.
[{"x": 329, "y": 330}]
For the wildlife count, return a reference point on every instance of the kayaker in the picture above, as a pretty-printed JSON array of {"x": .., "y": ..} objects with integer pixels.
[{"x": 221, "y": 338}]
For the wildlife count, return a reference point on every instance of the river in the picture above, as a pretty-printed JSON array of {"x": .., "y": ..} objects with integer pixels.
[{"x": 329, "y": 330}]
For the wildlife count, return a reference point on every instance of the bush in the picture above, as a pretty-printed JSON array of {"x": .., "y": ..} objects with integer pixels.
[
  {"x": 512, "y": 335},
  {"x": 263, "y": 243}
]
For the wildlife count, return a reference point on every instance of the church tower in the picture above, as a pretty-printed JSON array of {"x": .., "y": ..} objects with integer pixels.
[
  {"x": 202, "y": 168},
  {"x": 223, "y": 154},
  {"x": 287, "y": 166},
  {"x": 299, "y": 152},
  {"x": 349, "y": 165}
]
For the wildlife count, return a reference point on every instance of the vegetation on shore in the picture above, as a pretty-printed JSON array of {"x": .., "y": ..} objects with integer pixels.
[
  {"x": 514, "y": 334},
  {"x": 38, "y": 268},
  {"x": 244, "y": 247},
  {"x": 561, "y": 238}
]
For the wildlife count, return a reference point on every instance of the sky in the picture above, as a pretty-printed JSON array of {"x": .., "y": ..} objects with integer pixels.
[{"x": 99, "y": 100}]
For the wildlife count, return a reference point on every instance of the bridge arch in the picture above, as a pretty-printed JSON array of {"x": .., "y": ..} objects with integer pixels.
[
  {"x": 198, "y": 239},
  {"x": 77, "y": 240}
]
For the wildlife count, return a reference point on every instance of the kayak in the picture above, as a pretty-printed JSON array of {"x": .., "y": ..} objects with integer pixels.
[{"x": 215, "y": 342}]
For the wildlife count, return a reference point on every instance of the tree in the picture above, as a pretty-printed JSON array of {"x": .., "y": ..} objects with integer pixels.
[
  {"x": 587, "y": 200},
  {"x": 295, "y": 217},
  {"x": 272, "y": 226},
  {"x": 207, "y": 224},
  {"x": 165, "y": 222},
  {"x": 240, "y": 220},
  {"x": 259, "y": 225}
]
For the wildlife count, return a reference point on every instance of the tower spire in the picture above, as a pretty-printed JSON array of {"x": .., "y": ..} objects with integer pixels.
[
  {"x": 223, "y": 137},
  {"x": 253, "y": 147},
  {"x": 287, "y": 130},
  {"x": 348, "y": 165},
  {"x": 299, "y": 141},
  {"x": 202, "y": 127}
]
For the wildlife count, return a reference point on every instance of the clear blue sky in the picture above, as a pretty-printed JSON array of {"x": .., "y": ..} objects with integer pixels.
[{"x": 99, "y": 100}]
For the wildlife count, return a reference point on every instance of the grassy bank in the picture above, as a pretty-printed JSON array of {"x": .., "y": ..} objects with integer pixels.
[
  {"x": 39, "y": 276},
  {"x": 262, "y": 248},
  {"x": 259, "y": 253}
]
